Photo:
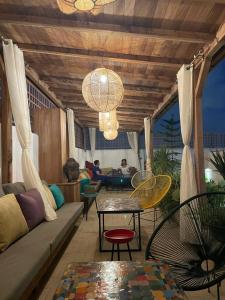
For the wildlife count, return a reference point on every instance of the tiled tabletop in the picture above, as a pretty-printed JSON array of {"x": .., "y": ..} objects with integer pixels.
[
  {"x": 147, "y": 280},
  {"x": 118, "y": 205}
]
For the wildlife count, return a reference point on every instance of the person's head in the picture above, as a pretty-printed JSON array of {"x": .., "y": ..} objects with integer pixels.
[
  {"x": 123, "y": 162},
  {"x": 96, "y": 163}
]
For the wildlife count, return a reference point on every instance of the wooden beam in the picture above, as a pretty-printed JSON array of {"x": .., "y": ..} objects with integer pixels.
[
  {"x": 6, "y": 127},
  {"x": 198, "y": 125},
  {"x": 99, "y": 56},
  {"x": 125, "y": 76},
  {"x": 129, "y": 106},
  {"x": 208, "y": 51},
  {"x": 102, "y": 27},
  {"x": 166, "y": 100}
]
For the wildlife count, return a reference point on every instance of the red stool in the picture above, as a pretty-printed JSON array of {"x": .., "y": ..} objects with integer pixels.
[{"x": 119, "y": 236}]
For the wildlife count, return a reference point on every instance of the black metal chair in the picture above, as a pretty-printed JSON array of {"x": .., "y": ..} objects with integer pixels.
[{"x": 191, "y": 239}]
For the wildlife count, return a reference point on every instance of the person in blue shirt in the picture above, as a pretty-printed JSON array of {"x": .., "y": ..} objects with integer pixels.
[{"x": 97, "y": 173}]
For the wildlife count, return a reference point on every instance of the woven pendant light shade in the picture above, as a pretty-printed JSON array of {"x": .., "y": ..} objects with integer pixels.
[
  {"x": 71, "y": 6},
  {"x": 67, "y": 7},
  {"x": 110, "y": 134},
  {"x": 102, "y": 90},
  {"x": 108, "y": 120}
]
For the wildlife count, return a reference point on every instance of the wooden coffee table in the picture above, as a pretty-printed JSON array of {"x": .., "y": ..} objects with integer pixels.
[
  {"x": 118, "y": 206},
  {"x": 149, "y": 280}
]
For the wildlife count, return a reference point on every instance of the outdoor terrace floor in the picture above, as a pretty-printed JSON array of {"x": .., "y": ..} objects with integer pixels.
[{"x": 83, "y": 247}]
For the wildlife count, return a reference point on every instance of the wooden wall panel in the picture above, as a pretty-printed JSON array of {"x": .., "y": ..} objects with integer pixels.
[{"x": 50, "y": 125}]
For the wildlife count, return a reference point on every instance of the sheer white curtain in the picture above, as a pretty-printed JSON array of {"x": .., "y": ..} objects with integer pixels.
[
  {"x": 185, "y": 92},
  {"x": 133, "y": 142},
  {"x": 16, "y": 78},
  {"x": 148, "y": 132},
  {"x": 71, "y": 134},
  {"x": 92, "y": 135}
]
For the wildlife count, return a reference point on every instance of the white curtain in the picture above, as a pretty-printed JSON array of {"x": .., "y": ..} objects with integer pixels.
[
  {"x": 185, "y": 92},
  {"x": 71, "y": 134},
  {"x": 92, "y": 135},
  {"x": 148, "y": 132},
  {"x": 16, "y": 78},
  {"x": 133, "y": 142}
]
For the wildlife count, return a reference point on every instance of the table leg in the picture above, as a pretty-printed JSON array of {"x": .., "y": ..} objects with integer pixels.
[
  {"x": 112, "y": 251},
  {"x": 118, "y": 251},
  {"x": 100, "y": 232},
  {"x": 103, "y": 220},
  {"x": 139, "y": 230},
  {"x": 128, "y": 247},
  {"x": 134, "y": 223}
]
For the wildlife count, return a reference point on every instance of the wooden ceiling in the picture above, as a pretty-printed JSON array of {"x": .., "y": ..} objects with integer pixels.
[{"x": 144, "y": 41}]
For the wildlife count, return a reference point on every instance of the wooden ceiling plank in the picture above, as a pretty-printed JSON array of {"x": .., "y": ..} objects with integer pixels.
[
  {"x": 92, "y": 27},
  {"x": 164, "y": 62}
]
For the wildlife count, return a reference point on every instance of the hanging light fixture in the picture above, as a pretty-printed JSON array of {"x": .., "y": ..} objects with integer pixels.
[
  {"x": 108, "y": 120},
  {"x": 71, "y": 6},
  {"x": 102, "y": 90},
  {"x": 110, "y": 134}
]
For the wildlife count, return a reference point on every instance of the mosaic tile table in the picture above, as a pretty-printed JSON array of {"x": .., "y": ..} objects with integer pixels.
[
  {"x": 118, "y": 281},
  {"x": 118, "y": 206}
]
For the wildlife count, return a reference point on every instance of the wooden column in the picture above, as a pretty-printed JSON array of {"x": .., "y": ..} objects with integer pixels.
[
  {"x": 151, "y": 143},
  {"x": 198, "y": 123},
  {"x": 6, "y": 128}
]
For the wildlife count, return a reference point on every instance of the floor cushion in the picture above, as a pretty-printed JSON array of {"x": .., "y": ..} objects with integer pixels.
[
  {"x": 12, "y": 222},
  {"x": 32, "y": 207}
]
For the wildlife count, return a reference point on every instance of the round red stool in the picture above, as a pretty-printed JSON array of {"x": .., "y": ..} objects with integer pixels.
[{"x": 119, "y": 236}]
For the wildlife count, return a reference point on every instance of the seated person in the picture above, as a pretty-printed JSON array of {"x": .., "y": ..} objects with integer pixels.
[
  {"x": 124, "y": 168},
  {"x": 97, "y": 173}
]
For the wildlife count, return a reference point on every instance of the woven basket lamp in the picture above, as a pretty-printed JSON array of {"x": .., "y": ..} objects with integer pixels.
[
  {"x": 110, "y": 134},
  {"x": 71, "y": 6},
  {"x": 102, "y": 90},
  {"x": 108, "y": 120}
]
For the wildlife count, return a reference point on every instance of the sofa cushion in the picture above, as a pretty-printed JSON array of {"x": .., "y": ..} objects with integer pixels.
[
  {"x": 53, "y": 232},
  {"x": 28, "y": 255},
  {"x": 32, "y": 207},
  {"x": 58, "y": 195},
  {"x": 20, "y": 263},
  {"x": 50, "y": 197},
  {"x": 12, "y": 222},
  {"x": 14, "y": 188}
]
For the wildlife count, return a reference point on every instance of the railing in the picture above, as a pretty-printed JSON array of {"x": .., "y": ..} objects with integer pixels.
[{"x": 211, "y": 140}]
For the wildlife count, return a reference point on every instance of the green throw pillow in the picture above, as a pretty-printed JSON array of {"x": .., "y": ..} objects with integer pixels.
[
  {"x": 58, "y": 195},
  {"x": 83, "y": 182}
]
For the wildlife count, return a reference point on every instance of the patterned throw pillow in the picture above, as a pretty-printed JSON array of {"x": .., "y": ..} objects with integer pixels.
[
  {"x": 12, "y": 222},
  {"x": 32, "y": 207}
]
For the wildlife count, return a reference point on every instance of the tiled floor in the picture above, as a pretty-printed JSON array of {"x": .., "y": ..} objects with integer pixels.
[{"x": 84, "y": 247}]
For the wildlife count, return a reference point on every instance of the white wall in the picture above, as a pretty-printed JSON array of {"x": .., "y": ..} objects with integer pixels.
[
  {"x": 108, "y": 158},
  {"x": 17, "y": 152}
]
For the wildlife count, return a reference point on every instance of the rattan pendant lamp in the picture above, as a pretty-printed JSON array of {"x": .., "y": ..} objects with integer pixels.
[
  {"x": 102, "y": 90},
  {"x": 71, "y": 6}
]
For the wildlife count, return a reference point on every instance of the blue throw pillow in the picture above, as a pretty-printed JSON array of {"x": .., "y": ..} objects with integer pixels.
[{"x": 58, "y": 195}]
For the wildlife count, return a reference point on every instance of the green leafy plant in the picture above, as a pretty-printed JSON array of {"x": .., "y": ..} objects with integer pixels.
[
  {"x": 170, "y": 131},
  {"x": 218, "y": 160},
  {"x": 164, "y": 164}
]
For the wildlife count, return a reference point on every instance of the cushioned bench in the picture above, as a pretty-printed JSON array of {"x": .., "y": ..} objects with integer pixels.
[{"x": 24, "y": 261}]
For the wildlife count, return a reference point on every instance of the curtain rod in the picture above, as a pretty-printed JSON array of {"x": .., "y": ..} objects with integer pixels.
[{"x": 199, "y": 54}]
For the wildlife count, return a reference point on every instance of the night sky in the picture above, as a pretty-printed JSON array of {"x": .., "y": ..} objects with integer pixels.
[{"x": 213, "y": 102}]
